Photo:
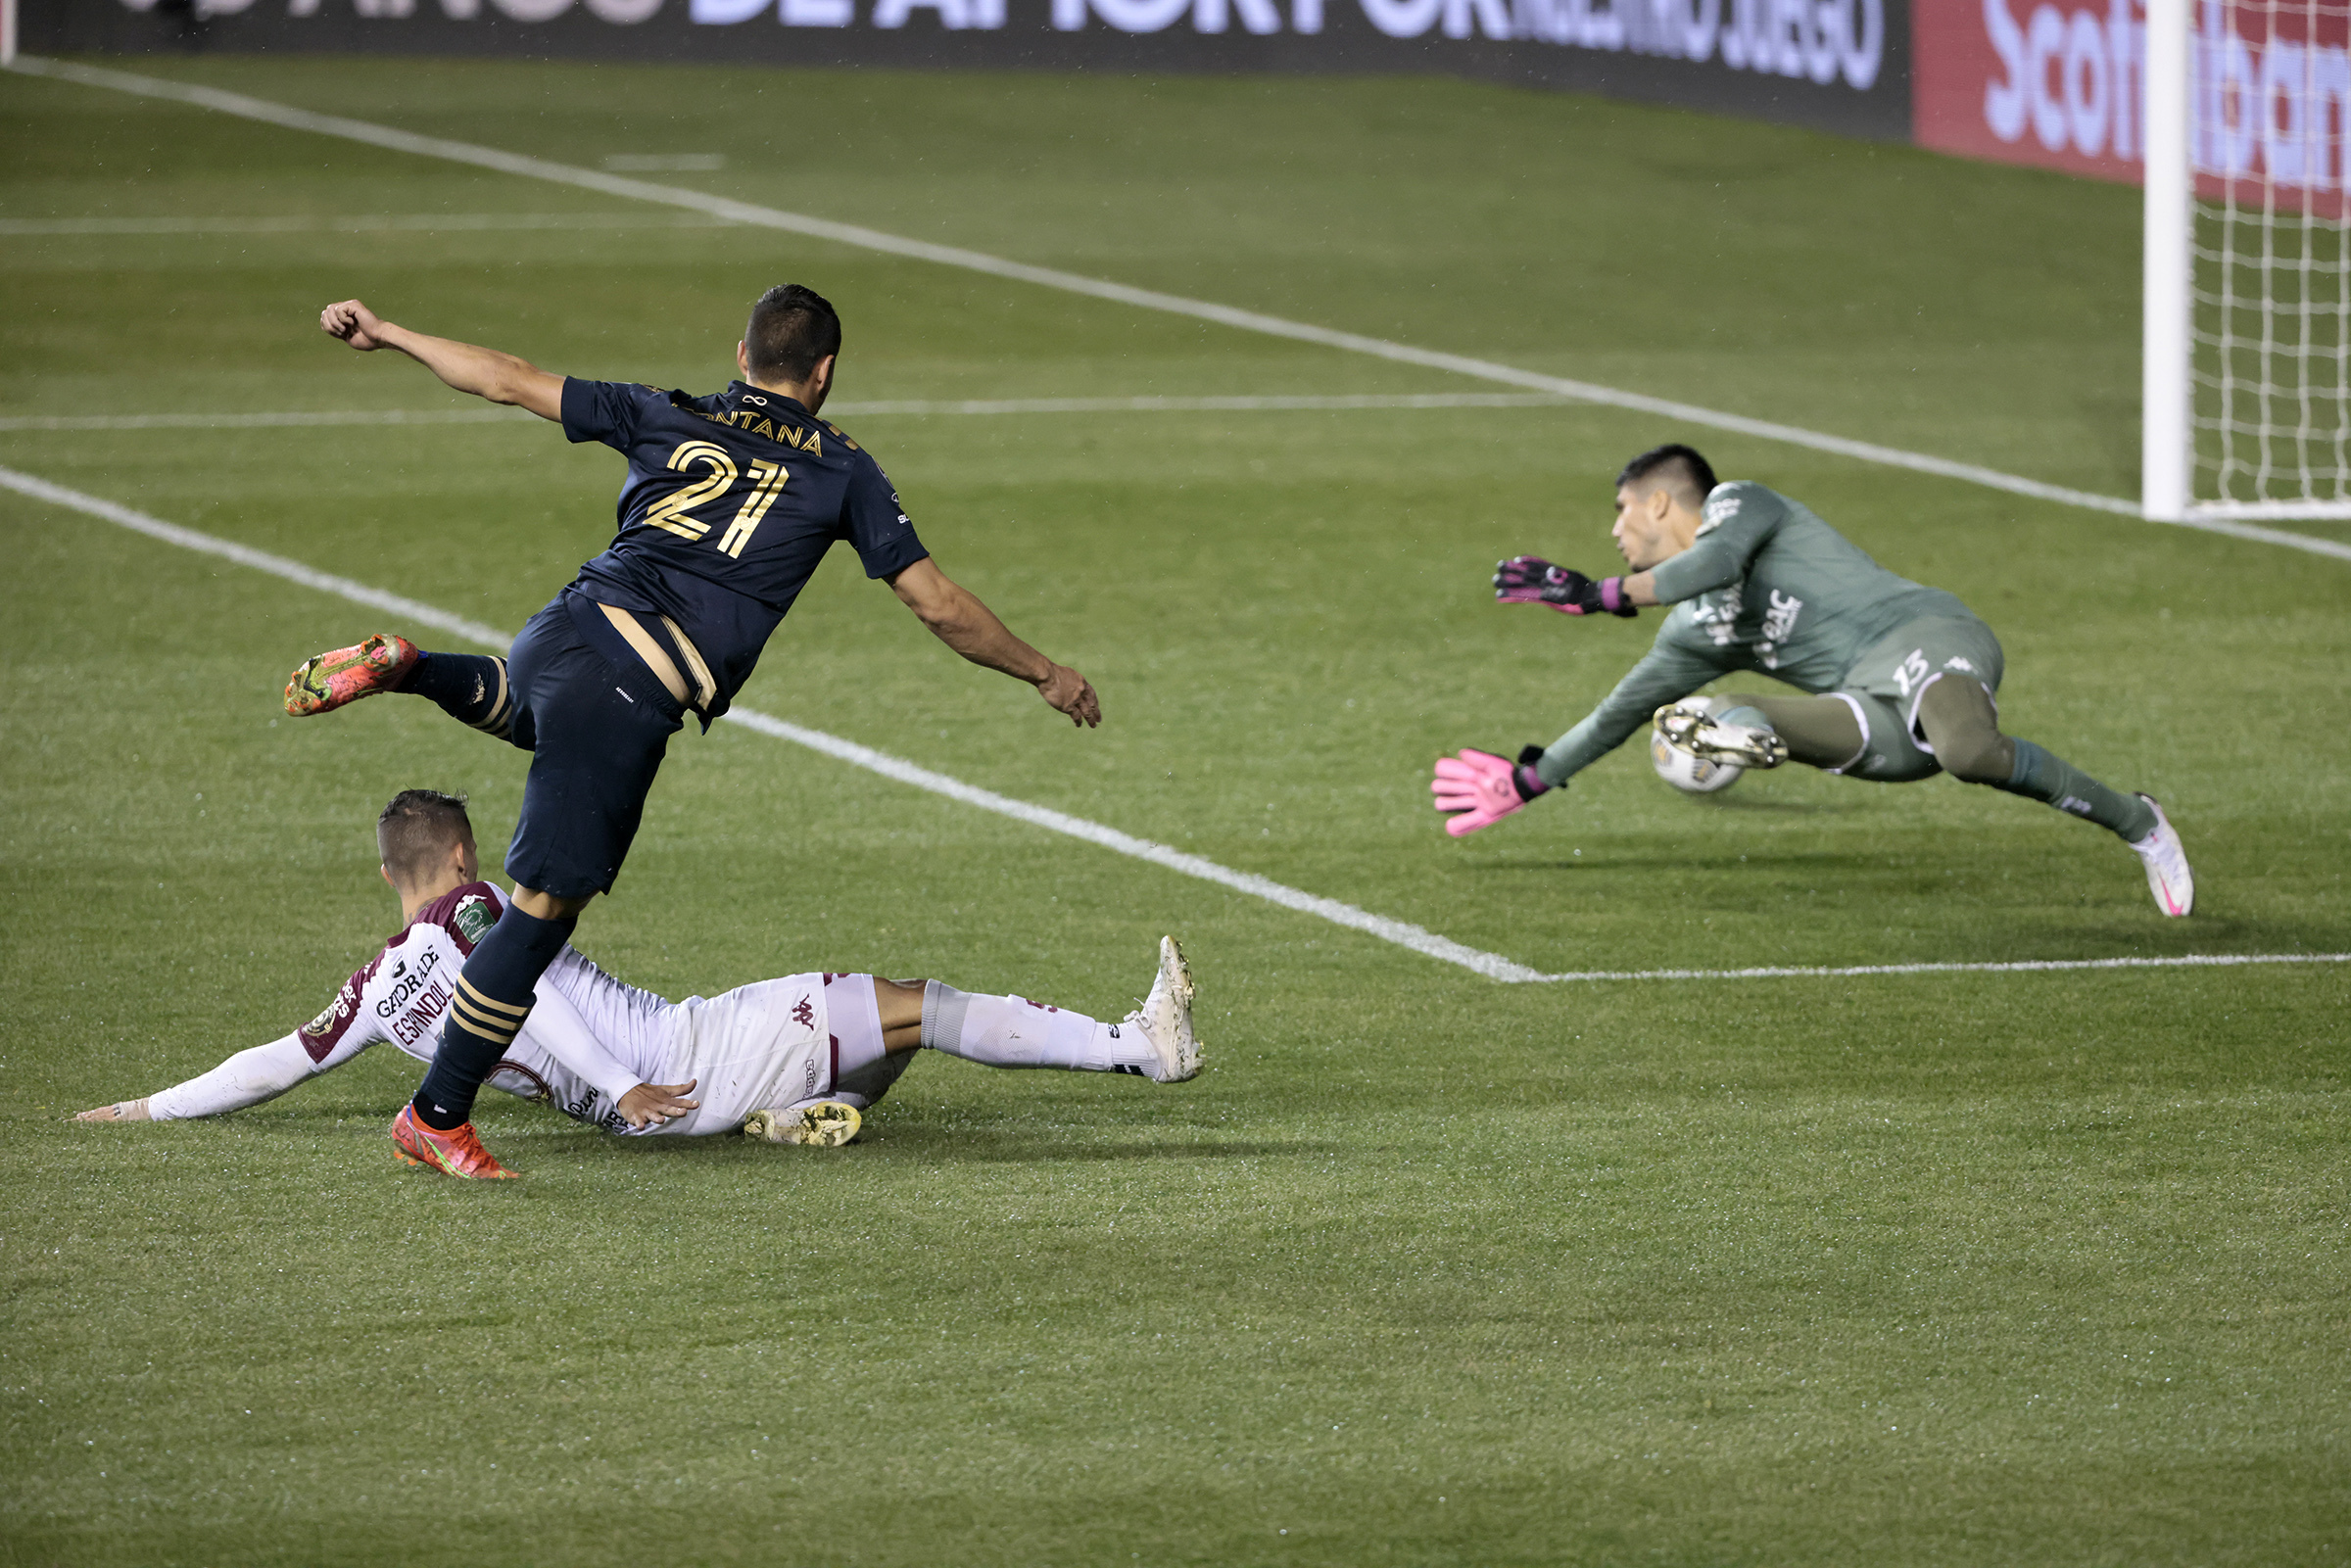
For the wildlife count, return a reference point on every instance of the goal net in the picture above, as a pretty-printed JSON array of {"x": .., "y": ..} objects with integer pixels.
[{"x": 2249, "y": 309}]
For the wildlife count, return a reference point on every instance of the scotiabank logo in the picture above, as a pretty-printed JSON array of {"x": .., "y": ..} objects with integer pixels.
[{"x": 2063, "y": 86}]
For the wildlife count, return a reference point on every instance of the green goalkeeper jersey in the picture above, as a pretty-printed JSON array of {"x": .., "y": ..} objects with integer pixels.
[{"x": 1766, "y": 587}]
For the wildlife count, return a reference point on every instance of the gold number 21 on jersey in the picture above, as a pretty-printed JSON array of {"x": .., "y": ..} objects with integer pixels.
[{"x": 673, "y": 511}]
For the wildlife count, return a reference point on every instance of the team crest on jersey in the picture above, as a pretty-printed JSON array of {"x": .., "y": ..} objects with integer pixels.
[
  {"x": 473, "y": 918},
  {"x": 803, "y": 1013},
  {"x": 346, "y": 1003}
]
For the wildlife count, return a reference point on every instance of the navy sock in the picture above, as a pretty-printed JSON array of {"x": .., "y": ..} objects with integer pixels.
[
  {"x": 2046, "y": 777},
  {"x": 493, "y": 997},
  {"x": 472, "y": 689}
]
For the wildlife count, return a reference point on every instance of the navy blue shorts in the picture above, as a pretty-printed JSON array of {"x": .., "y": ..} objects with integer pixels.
[{"x": 597, "y": 733}]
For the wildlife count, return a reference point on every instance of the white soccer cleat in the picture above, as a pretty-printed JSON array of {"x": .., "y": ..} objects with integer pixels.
[
  {"x": 1166, "y": 1016},
  {"x": 1688, "y": 727},
  {"x": 2166, "y": 859},
  {"x": 816, "y": 1123}
]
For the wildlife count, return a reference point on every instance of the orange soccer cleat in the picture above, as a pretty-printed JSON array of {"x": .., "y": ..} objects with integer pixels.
[
  {"x": 326, "y": 681},
  {"x": 454, "y": 1153}
]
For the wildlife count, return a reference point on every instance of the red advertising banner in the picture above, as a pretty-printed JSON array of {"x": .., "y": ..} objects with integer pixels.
[{"x": 2058, "y": 83}]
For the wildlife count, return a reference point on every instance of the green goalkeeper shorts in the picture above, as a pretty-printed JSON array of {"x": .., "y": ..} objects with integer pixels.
[{"x": 1884, "y": 686}]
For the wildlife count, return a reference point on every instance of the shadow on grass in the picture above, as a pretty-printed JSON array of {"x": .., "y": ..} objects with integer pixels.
[
  {"x": 1650, "y": 862},
  {"x": 992, "y": 1148},
  {"x": 935, "y": 1142},
  {"x": 1772, "y": 805}
]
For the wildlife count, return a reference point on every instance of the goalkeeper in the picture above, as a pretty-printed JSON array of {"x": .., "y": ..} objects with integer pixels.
[{"x": 1902, "y": 678}]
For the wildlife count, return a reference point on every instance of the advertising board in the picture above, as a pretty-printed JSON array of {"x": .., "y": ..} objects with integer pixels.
[
  {"x": 2058, "y": 83},
  {"x": 1837, "y": 65}
]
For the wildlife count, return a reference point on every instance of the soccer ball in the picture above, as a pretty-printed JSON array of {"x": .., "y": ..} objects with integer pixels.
[{"x": 1688, "y": 774}]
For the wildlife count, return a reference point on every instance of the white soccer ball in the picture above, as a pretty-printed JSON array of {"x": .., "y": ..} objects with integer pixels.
[{"x": 1688, "y": 774}]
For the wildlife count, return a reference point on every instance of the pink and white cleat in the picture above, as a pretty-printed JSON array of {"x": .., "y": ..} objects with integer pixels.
[
  {"x": 327, "y": 681},
  {"x": 2166, "y": 859}
]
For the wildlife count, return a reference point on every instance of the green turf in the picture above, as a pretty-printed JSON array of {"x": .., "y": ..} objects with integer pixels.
[{"x": 1424, "y": 1269}]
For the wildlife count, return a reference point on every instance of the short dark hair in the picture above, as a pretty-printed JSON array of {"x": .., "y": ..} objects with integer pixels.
[
  {"x": 418, "y": 828},
  {"x": 792, "y": 328},
  {"x": 1674, "y": 465}
]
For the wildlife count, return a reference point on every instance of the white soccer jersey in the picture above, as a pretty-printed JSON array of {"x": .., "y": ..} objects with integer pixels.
[{"x": 589, "y": 1039}]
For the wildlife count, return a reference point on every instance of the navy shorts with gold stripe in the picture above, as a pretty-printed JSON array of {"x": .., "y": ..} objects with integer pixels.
[{"x": 596, "y": 733}]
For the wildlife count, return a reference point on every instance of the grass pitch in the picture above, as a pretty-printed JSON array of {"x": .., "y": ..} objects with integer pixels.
[{"x": 1425, "y": 1269}]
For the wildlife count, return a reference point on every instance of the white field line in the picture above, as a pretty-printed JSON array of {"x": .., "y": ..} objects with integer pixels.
[
  {"x": 260, "y": 560},
  {"x": 261, "y": 422},
  {"x": 847, "y": 409},
  {"x": 357, "y": 224},
  {"x": 2301, "y": 511},
  {"x": 1401, "y": 933},
  {"x": 2025, "y": 967},
  {"x": 851, "y": 234}
]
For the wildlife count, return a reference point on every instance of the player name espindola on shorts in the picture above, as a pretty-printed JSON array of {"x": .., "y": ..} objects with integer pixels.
[
  {"x": 1904, "y": 678},
  {"x": 730, "y": 502}
]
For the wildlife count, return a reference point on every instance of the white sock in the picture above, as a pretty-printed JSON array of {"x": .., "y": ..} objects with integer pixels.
[{"x": 1009, "y": 1032}]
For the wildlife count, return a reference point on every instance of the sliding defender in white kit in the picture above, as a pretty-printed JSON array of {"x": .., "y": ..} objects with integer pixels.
[{"x": 796, "y": 1060}]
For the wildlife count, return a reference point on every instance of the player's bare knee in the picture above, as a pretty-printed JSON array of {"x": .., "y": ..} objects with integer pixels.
[
  {"x": 550, "y": 906},
  {"x": 1964, "y": 729},
  {"x": 900, "y": 1003},
  {"x": 1981, "y": 757},
  {"x": 1970, "y": 748}
]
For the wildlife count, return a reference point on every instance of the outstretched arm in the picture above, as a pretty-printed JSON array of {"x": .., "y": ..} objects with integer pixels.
[
  {"x": 245, "y": 1079},
  {"x": 483, "y": 372},
  {"x": 958, "y": 619},
  {"x": 1667, "y": 673}
]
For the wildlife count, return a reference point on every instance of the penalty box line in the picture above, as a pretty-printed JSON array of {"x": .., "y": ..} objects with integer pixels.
[
  {"x": 2020, "y": 966},
  {"x": 525, "y": 167},
  {"x": 1402, "y": 933}
]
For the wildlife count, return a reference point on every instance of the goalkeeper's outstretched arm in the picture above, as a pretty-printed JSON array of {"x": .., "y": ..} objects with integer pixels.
[{"x": 1667, "y": 673}]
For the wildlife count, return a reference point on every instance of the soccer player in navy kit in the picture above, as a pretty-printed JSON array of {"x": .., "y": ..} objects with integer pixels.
[{"x": 730, "y": 501}]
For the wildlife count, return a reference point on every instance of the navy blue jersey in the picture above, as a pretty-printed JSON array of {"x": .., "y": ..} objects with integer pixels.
[{"x": 730, "y": 502}]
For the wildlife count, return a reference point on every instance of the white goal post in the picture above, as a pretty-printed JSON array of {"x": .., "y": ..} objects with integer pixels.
[
  {"x": 2246, "y": 380},
  {"x": 2167, "y": 446}
]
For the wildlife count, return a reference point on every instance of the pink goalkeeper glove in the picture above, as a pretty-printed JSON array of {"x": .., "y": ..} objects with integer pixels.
[{"x": 1478, "y": 788}]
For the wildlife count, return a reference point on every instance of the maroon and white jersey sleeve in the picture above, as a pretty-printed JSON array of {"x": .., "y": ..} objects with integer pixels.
[
  {"x": 589, "y": 1040},
  {"x": 347, "y": 1026},
  {"x": 398, "y": 995},
  {"x": 245, "y": 1079}
]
